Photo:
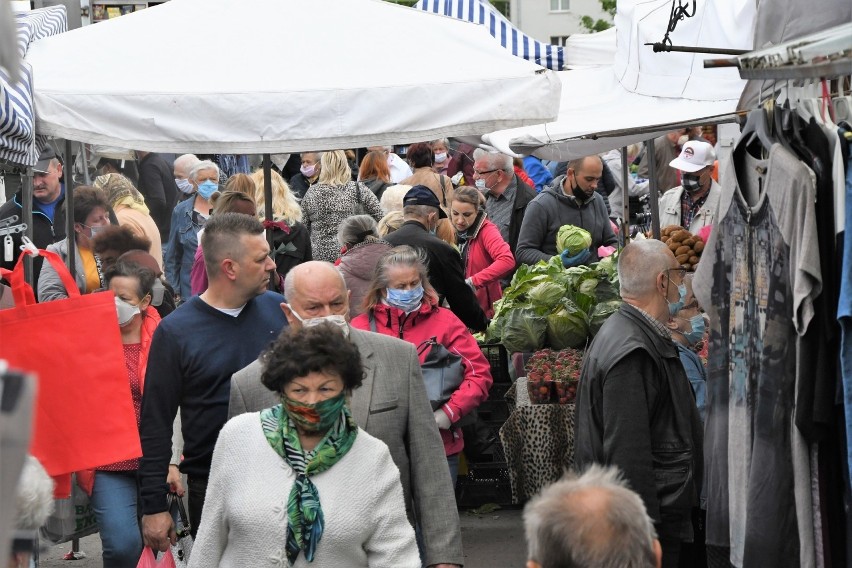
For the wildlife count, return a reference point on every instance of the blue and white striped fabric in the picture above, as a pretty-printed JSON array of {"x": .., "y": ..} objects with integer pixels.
[
  {"x": 510, "y": 37},
  {"x": 18, "y": 141}
]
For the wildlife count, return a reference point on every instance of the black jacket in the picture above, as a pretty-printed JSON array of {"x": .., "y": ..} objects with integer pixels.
[
  {"x": 446, "y": 273},
  {"x": 299, "y": 185},
  {"x": 157, "y": 185},
  {"x": 523, "y": 196},
  {"x": 44, "y": 231},
  {"x": 636, "y": 410},
  {"x": 290, "y": 249}
]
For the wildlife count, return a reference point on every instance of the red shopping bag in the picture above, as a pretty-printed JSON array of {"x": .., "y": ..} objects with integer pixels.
[
  {"x": 148, "y": 560},
  {"x": 84, "y": 416}
]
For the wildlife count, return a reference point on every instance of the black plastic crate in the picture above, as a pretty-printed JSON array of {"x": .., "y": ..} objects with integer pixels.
[
  {"x": 484, "y": 483},
  {"x": 498, "y": 359}
]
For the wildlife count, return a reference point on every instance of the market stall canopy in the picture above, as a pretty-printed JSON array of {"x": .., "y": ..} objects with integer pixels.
[
  {"x": 257, "y": 76},
  {"x": 643, "y": 94},
  {"x": 580, "y": 49},
  {"x": 18, "y": 141}
]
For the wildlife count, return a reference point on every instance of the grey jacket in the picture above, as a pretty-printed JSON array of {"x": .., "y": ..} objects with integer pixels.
[
  {"x": 552, "y": 209},
  {"x": 50, "y": 287},
  {"x": 391, "y": 405}
]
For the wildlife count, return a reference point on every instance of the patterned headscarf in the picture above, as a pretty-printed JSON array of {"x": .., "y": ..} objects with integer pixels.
[{"x": 120, "y": 191}]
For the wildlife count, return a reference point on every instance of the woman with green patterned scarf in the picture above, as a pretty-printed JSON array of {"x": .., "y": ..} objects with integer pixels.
[{"x": 299, "y": 484}]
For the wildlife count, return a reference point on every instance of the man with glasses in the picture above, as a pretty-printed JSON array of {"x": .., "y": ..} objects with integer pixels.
[
  {"x": 635, "y": 407},
  {"x": 506, "y": 196},
  {"x": 48, "y": 211},
  {"x": 570, "y": 200}
]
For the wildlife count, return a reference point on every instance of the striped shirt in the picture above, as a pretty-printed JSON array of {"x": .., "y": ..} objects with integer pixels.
[{"x": 499, "y": 208}]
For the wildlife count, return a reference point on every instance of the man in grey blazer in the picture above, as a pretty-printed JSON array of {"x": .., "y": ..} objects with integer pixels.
[{"x": 391, "y": 405}]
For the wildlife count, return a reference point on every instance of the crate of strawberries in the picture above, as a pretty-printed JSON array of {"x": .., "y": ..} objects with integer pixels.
[{"x": 553, "y": 376}]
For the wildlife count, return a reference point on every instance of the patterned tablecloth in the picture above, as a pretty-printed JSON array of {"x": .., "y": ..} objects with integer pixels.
[{"x": 538, "y": 440}]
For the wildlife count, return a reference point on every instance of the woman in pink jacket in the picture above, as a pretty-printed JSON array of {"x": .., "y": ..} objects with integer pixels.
[
  {"x": 401, "y": 303},
  {"x": 486, "y": 256}
]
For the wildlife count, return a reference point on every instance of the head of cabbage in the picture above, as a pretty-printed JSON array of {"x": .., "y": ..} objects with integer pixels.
[{"x": 573, "y": 239}]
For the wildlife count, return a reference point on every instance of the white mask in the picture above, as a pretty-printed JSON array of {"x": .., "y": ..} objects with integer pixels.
[
  {"x": 125, "y": 311},
  {"x": 334, "y": 319},
  {"x": 440, "y": 158}
]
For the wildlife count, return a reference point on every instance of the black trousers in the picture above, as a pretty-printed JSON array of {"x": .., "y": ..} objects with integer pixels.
[{"x": 197, "y": 491}]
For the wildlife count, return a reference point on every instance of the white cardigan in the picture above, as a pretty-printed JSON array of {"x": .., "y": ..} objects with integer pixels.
[{"x": 244, "y": 522}]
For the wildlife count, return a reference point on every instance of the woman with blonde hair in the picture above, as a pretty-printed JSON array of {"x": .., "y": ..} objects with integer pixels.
[
  {"x": 130, "y": 210},
  {"x": 331, "y": 200},
  {"x": 291, "y": 244}
]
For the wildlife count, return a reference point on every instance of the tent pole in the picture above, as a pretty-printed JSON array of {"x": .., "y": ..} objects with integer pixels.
[
  {"x": 85, "y": 160},
  {"x": 654, "y": 196},
  {"x": 68, "y": 177},
  {"x": 27, "y": 217},
  {"x": 267, "y": 204},
  {"x": 625, "y": 196}
]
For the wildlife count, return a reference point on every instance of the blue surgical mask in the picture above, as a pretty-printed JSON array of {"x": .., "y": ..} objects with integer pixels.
[
  {"x": 480, "y": 184},
  {"x": 207, "y": 189},
  {"x": 184, "y": 185},
  {"x": 696, "y": 334},
  {"x": 675, "y": 307},
  {"x": 405, "y": 300}
]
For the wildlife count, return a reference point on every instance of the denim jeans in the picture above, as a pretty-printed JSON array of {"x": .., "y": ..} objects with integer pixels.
[
  {"x": 114, "y": 501},
  {"x": 197, "y": 490},
  {"x": 453, "y": 463}
]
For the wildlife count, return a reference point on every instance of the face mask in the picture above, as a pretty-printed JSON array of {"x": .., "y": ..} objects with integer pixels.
[
  {"x": 579, "y": 193},
  {"x": 93, "y": 230},
  {"x": 405, "y": 300},
  {"x": 308, "y": 171},
  {"x": 480, "y": 184},
  {"x": 691, "y": 183},
  {"x": 184, "y": 185},
  {"x": 697, "y": 325},
  {"x": 675, "y": 307},
  {"x": 440, "y": 158},
  {"x": 317, "y": 417},
  {"x": 334, "y": 319},
  {"x": 207, "y": 189},
  {"x": 125, "y": 311}
]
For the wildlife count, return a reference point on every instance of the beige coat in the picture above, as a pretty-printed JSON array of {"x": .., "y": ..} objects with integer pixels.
[{"x": 142, "y": 225}]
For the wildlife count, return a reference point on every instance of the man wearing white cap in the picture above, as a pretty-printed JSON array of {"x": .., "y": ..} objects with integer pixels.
[{"x": 694, "y": 202}]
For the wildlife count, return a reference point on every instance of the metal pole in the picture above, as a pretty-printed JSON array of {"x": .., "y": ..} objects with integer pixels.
[
  {"x": 85, "y": 161},
  {"x": 68, "y": 176},
  {"x": 663, "y": 47},
  {"x": 654, "y": 196},
  {"x": 625, "y": 196},
  {"x": 267, "y": 204},
  {"x": 27, "y": 217}
]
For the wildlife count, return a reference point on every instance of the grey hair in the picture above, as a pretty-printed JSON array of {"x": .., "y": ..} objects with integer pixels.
[
  {"x": 639, "y": 264},
  {"x": 293, "y": 273},
  {"x": 186, "y": 162},
  {"x": 357, "y": 229},
  {"x": 443, "y": 141},
  {"x": 200, "y": 167},
  {"x": 418, "y": 211},
  {"x": 315, "y": 153},
  {"x": 590, "y": 521},
  {"x": 34, "y": 496},
  {"x": 495, "y": 160}
]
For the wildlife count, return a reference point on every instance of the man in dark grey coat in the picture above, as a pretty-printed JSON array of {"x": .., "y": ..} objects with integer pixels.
[
  {"x": 391, "y": 405},
  {"x": 570, "y": 200}
]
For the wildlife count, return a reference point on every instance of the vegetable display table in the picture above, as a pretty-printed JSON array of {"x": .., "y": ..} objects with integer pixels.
[{"x": 538, "y": 440}]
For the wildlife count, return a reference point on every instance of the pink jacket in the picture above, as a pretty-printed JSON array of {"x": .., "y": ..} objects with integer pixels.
[
  {"x": 487, "y": 259},
  {"x": 442, "y": 324}
]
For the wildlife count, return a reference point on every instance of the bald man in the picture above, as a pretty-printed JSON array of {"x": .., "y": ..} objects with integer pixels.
[
  {"x": 635, "y": 407},
  {"x": 590, "y": 521},
  {"x": 391, "y": 405}
]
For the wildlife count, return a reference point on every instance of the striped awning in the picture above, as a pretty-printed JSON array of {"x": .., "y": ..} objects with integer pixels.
[
  {"x": 510, "y": 37},
  {"x": 18, "y": 141}
]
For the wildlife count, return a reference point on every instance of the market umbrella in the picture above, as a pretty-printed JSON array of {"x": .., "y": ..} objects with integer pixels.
[{"x": 261, "y": 76}]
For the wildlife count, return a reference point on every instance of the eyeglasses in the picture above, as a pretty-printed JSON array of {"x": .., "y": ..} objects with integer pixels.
[
  {"x": 486, "y": 172},
  {"x": 681, "y": 271}
]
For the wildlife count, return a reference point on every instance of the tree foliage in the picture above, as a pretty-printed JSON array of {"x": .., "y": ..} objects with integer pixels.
[{"x": 593, "y": 25}]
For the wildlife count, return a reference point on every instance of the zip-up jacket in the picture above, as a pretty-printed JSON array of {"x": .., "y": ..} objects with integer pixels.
[{"x": 487, "y": 258}]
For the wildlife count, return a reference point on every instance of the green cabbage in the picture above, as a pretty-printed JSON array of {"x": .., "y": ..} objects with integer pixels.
[
  {"x": 601, "y": 313},
  {"x": 568, "y": 327},
  {"x": 523, "y": 330},
  {"x": 546, "y": 294},
  {"x": 572, "y": 238}
]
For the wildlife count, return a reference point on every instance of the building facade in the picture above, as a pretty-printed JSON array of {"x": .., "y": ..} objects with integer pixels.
[{"x": 552, "y": 21}]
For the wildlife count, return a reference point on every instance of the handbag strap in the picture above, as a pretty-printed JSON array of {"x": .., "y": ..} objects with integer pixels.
[
  {"x": 426, "y": 343},
  {"x": 23, "y": 292},
  {"x": 175, "y": 501},
  {"x": 372, "y": 318}
]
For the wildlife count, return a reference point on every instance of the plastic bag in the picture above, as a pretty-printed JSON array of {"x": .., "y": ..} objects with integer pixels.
[{"x": 148, "y": 560}]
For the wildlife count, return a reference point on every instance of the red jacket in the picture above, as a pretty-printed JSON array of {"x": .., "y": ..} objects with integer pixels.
[
  {"x": 442, "y": 324},
  {"x": 487, "y": 258}
]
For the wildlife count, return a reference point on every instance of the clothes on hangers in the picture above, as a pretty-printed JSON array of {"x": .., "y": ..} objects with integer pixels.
[{"x": 759, "y": 282}]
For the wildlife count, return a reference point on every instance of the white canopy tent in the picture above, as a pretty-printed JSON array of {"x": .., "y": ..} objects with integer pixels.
[
  {"x": 263, "y": 76},
  {"x": 643, "y": 94}
]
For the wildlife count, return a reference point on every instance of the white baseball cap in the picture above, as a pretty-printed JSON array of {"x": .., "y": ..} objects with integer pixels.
[{"x": 694, "y": 156}]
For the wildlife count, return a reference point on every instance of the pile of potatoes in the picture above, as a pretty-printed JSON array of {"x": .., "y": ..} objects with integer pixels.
[{"x": 686, "y": 247}]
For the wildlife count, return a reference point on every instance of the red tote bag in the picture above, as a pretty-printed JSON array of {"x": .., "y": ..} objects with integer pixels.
[{"x": 84, "y": 416}]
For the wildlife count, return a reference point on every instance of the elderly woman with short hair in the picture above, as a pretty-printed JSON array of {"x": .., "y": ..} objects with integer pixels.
[
  {"x": 300, "y": 484},
  {"x": 362, "y": 249},
  {"x": 331, "y": 200},
  {"x": 188, "y": 218}
]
